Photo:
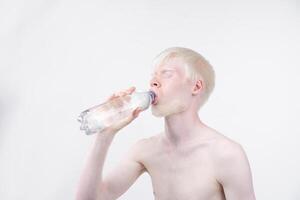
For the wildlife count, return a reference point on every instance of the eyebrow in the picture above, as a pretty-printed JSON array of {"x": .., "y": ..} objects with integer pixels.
[{"x": 163, "y": 70}]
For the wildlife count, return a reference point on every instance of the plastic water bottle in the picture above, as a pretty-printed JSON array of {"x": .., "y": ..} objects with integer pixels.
[{"x": 97, "y": 118}]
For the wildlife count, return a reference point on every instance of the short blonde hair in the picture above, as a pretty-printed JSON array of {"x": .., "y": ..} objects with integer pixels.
[{"x": 196, "y": 67}]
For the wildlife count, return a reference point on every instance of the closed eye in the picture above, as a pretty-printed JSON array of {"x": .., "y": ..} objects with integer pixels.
[
  {"x": 164, "y": 73},
  {"x": 167, "y": 74}
]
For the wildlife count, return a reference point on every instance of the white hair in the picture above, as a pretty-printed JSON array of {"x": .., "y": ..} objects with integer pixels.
[{"x": 196, "y": 67}]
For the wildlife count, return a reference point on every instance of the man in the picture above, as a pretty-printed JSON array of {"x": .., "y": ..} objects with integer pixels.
[{"x": 186, "y": 161}]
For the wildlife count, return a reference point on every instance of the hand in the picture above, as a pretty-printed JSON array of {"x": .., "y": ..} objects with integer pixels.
[{"x": 117, "y": 100}]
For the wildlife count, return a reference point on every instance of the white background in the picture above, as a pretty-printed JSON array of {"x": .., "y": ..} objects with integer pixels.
[{"x": 58, "y": 58}]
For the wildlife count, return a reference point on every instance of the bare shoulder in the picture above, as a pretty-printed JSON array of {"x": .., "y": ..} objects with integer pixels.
[
  {"x": 229, "y": 157},
  {"x": 145, "y": 142},
  {"x": 143, "y": 146},
  {"x": 232, "y": 169},
  {"x": 225, "y": 148}
]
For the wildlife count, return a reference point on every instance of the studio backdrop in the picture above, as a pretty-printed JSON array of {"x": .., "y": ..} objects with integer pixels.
[{"x": 60, "y": 57}]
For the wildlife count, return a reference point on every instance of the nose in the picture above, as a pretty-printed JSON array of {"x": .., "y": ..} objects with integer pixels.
[{"x": 154, "y": 83}]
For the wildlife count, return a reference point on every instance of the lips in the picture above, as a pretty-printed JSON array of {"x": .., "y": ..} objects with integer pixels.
[{"x": 155, "y": 99}]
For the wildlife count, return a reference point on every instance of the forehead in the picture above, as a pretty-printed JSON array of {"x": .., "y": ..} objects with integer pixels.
[{"x": 175, "y": 64}]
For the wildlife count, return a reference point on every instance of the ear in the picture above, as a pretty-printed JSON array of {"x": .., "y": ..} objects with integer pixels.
[{"x": 198, "y": 87}]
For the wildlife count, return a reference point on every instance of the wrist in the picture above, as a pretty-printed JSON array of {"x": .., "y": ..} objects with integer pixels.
[{"x": 108, "y": 131}]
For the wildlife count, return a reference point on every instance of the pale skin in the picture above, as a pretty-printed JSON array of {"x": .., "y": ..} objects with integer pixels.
[{"x": 186, "y": 161}]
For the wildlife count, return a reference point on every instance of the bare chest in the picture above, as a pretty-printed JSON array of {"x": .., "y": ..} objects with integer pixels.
[{"x": 184, "y": 174}]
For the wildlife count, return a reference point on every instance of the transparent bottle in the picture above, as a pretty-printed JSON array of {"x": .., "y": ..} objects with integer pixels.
[{"x": 97, "y": 118}]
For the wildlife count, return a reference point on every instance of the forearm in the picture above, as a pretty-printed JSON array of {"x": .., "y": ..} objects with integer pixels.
[{"x": 91, "y": 178}]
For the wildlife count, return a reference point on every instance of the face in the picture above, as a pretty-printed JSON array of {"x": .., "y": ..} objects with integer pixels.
[{"x": 172, "y": 87}]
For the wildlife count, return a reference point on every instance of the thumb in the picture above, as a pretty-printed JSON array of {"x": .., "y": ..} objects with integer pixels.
[{"x": 136, "y": 112}]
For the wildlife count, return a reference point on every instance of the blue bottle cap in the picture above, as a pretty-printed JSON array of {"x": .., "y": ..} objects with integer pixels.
[{"x": 152, "y": 96}]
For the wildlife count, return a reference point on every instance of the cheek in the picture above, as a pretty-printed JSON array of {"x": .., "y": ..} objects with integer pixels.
[
  {"x": 177, "y": 91},
  {"x": 175, "y": 88},
  {"x": 171, "y": 90}
]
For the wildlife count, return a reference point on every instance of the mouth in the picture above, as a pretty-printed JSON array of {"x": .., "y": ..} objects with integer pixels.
[{"x": 155, "y": 101}]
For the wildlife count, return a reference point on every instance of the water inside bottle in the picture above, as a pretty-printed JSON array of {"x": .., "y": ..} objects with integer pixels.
[{"x": 101, "y": 116}]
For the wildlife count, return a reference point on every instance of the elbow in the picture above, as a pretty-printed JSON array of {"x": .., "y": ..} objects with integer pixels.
[
  {"x": 83, "y": 195},
  {"x": 97, "y": 193},
  {"x": 86, "y": 196},
  {"x": 89, "y": 197}
]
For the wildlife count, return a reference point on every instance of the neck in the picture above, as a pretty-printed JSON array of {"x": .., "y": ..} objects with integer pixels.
[{"x": 182, "y": 128}]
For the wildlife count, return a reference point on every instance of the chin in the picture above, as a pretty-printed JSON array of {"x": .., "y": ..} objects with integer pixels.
[
  {"x": 164, "y": 110},
  {"x": 158, "y": 113}
]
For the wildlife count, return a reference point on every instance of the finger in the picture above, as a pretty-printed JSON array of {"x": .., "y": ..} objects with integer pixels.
[
  {"x": 117, "y": 102},
  {"x": 130, "y": 90},
  {"x": 122, "y": 93},
  {"x": 126, "y": 120},
  {"x": 136, "y": 112},
  {"x": 111, "y": 97},
  {"x": 125, "y": 92},
  {"x": 127, "y": 98}
]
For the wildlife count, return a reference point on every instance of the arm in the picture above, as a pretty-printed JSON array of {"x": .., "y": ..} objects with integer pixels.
[
  {"x": 91, "y": 177},
  {"x": 234, "y": 173},
  {"x": 93, "y": 186},
  {"x": 118, "y": 180}
]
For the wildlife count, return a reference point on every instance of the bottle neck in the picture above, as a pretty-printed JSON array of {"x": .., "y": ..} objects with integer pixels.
[{"x": 152, "y": 96}]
